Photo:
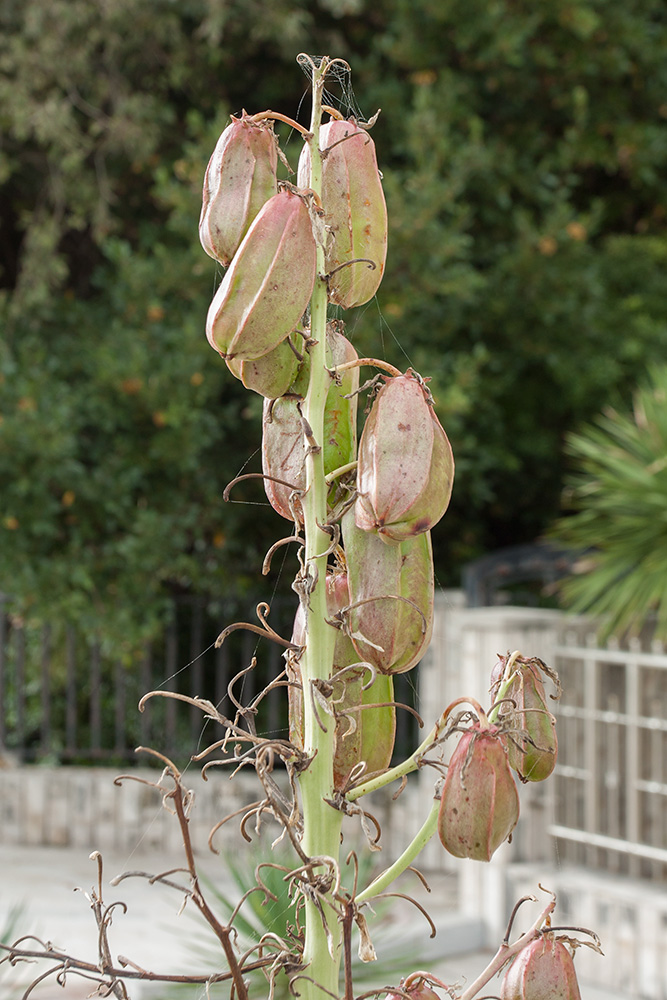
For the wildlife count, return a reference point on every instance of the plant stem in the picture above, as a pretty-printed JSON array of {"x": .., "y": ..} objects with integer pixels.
[
  {"x": 407, "y": 857},
  {"x": 408, "y": 765},
  {"x": 321, "y": 822}
]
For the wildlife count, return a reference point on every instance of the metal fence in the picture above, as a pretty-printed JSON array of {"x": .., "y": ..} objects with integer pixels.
[{"x": 64, "y": 700}]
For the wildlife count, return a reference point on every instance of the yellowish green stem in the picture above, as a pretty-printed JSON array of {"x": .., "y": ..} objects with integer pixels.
[
  {"x": 321, "y": 822},
  {"x": 421, "y": 839}
]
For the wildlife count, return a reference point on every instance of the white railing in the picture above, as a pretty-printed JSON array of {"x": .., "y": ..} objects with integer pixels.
[
  {"x": 596, "y": 833},
  {"x": 610, "y": 808}
]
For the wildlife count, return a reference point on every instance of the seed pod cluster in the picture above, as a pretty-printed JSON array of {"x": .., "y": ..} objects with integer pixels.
[{"x": 386, "y": 495}]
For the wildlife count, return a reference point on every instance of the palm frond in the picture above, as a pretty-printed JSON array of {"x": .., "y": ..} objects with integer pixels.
[{"x": 617, "y": 494}]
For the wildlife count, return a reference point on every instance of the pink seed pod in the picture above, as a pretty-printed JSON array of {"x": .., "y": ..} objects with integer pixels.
[
  {"x": 272, "y": 374},
  {"x": 283, "y": 442},
  {"x": 405, "y": 468},
  {"x": 362, "y": 733},
  {"x": 239, "y": 179},
  {"x": 284, "y": 454},
  {"x": 543, "y": 970},
  {"x": 355, "y": 211},
  {"x": 479, "y": 806},
  {"x": 390, "y": 633},
  {"x": 270, "y": 281},
  {"x": 532, "y": 744}
]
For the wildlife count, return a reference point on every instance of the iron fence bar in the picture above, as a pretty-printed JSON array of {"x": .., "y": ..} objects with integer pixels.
[
  {"x": 119, "y": 706},
  {"x": 171, "y": 665},
  {"x": 221, "y": 678},
  {"x": 273, "y": 698},
  {"x": 45, "y": 691},
  {"x": 145, "y": 675},
  {"x": 71, "y": 693},
  {"x": 19, "y": 639},
  {"x": 95, "y": 698},
  {"x": 196, "y": 667}
]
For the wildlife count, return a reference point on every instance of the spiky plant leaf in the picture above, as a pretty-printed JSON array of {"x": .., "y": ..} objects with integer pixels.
[{"x": 618, "y": 495}]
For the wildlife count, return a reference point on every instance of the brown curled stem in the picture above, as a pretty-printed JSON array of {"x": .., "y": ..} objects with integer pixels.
[
  {"x": 355, "y": 260},
  {"x": 333, "y": 112},
  {"x": 403, "y": 895},
  {"x": 257, "y": 630},
  {"x": 266, "y": 565},
  {"x": 278, "y": 116},
  {"x": 371, "y": 362},
  {"x": 256, "y": 475},
  {"x": 510, "y": 922}
]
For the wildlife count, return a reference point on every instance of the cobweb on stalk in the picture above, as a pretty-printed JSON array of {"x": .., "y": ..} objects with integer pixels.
[{"x": 339, "y": 74}]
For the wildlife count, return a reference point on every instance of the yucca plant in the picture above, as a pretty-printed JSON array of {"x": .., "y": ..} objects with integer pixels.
[{"x": 617, "y": 493}]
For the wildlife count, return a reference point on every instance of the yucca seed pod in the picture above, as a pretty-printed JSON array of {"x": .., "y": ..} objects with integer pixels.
[
  {"x": 543, "y": 970},
  {"x": 283, "y": 442},
  {"x": 532, "y": 744},
  {"x": 283, "y": 453},
  {"x": 240, "y": 178},
  {"x": 392, "y": 634},
  {"x": 362, "y": 733},
  {"x": 340, "y": 412},
  {"x": 355, "y": 211},
  {"x": 479, "y": 806},
  {"x": 405, "y": 467},
  {"x": 270, "y": 281},
  {"x": 535, "y": 758},
  {"x": 272, "y": 374}
]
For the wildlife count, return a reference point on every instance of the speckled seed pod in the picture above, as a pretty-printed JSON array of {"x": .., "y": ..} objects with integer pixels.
[
  {"x": 239, "y": 179},
  {"x": 355, "y": 211},
  {"x": 479, "y": 806},
  {"x": 272, "y": 374},
  {"x": 283, "y": 442},
  {"x": 406, "y": 466},
  {"x": 543, "y": 970},
  {"x": 270, "y": 281},
  {"x": 391, "y": 634},
  {"x": 362, "y": 733}
]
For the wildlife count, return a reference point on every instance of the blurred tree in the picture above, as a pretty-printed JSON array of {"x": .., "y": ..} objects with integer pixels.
[{"x": 523, "y": 147}]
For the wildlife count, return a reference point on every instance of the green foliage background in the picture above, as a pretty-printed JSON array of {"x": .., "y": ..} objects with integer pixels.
[{"x": 523, "y": 146}]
